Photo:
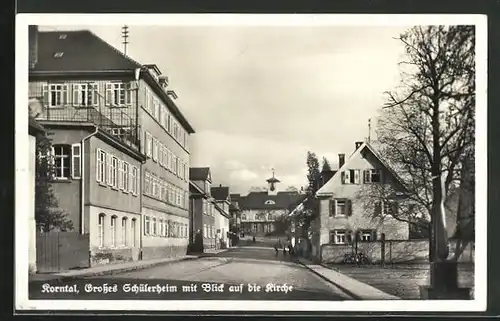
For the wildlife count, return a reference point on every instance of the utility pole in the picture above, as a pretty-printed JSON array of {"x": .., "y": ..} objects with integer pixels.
[{"x": 125, "y": 38}]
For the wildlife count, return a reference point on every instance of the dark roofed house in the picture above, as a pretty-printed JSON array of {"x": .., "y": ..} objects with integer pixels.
[
  {"x": 262, "y": 211},
  {"x": 201, "y": 177},
  {"x": 220, "y": 193}
]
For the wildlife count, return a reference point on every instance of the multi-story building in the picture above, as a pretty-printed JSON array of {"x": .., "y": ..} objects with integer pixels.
[
  {"x": 262, "y": 212},
  {"x": 222, "y": 200},
  {"x": 351, "y": 203},
  {"x": 202, "y": 205},
  {"x": 113, "y": 126}
]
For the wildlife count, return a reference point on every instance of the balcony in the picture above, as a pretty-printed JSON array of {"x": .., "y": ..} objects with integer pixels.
[{"x": 110, "y": 109}]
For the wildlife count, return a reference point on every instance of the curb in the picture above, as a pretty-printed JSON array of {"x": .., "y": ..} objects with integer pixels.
[
  {"x": 346, "y": 291},
  {"x": 122, "y": 270}
]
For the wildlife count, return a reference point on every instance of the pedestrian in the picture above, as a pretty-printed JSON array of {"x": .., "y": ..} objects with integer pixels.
[
  {"x": 284, "y": 250},
  {"x": 253, "y": 239},
  {"x": 290, "y": 250}
]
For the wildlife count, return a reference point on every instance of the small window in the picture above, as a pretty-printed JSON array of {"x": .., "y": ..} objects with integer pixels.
[
  {"x": 101, "y": 229},
  {"x": 340, "y": 207},
  {"x": 58, "y": 54},
  {"x": 372, "y": 176},
  {"x": 63, "y": 36},
  {"x": 243, "y": 217},
  {"x": 62, "y": 161},
  {"x": 270, "y": 202},
  {"x": 367, "y": 235},
  {"x": 113, "y": 231},
  {"x": 338, "y": 237}
]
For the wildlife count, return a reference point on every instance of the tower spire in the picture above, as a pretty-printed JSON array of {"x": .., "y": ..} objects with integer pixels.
[
  {"x": 125, "y": 38},
  {"x": 369, "y": 129}
]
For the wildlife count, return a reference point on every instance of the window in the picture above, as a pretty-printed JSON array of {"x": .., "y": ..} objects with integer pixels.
[
  {"x": 155, "y": 149},
  {"x": 124, "y": 231},
  {"x": 101, "y": 229},
  {"x": 147, "y": 101},
  {"x": 153, "y": 229},
  {"x": 338, "y": 237},
  {"x": 367, "y": 235},
  {"x": 160, "y": 154},
  {"x": 179, "y": 201},
  {"x": 113, "y": 231},
  {"x": 76, "y": 158},
  {"x": 114, "y": 172},
  {"x": 270, "y": 202},
  {"x": 160, "y": 227},
  {"x": 120, "y": 174},
  {"x": 147, "y": 183},
  {"x": 133, "y": 180},
  {"x": 269, "y": 217},
  {"x": 205, "y": 231},
  {"x": 118, "y": 94},
  {"x": 55, "y": 95},
  {"x": 175, "y": 166},
  {"x": 147, "y": 226},
  {"x": 350, "y": 176},
  {"x": 156, "y": 107},
  {"x": 149, "y": 145},
  {"x": 243, "y": 217},
  {"x": 389, "y": 207},
  {"x": 164, "y": 118},
  {"x": 132, "y": 231},
  {"x": 340, "y": 207},
  {"x": 169, "y": 228},
  {"x": 153, "y": 185},
  {"x": 126, "y": 179},
  {"x": 61, "y": 161},
  {"x": 372, "y": 175},
  {"x": 101, "y": 166},
  {"x": 85, "y": 95},
  {"x": 171, "y": 196}
]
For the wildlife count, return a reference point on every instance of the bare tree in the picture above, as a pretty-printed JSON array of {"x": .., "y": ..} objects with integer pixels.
[{"x": 427, "y": 124}]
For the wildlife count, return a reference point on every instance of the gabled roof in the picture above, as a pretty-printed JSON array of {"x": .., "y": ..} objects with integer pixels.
[
  {"x": 200, "y": 174},
  {"x": 257, "y": 200},
  {"x": 193, "y": 188},
  {"x": 83, "y": 52},
  {"x": 220, "y": 193},
  {"x": 224, "y": 213},
  {"x": 366, "y": 145}
]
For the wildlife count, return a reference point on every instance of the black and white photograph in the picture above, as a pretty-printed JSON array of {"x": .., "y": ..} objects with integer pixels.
[{"x": 250, "y": 162}]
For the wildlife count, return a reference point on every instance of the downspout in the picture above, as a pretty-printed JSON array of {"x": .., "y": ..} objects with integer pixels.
[{"x": 82, "y": 158}]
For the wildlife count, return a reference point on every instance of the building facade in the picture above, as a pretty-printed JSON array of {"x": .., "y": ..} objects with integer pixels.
[
  {"x": 222, "y": 201},
  {"x": 165, "y": 204},
  {"x": 120, "y": 144},
  {"x": 202, "y": 206},
  {"x": 349, "y": 203},
  {"x": 262, "y": 212}
]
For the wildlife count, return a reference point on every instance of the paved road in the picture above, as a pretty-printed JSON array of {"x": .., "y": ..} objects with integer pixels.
[{"x": 232, "y": 275}]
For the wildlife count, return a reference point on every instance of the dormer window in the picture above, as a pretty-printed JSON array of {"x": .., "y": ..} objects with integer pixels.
[
  {"x": 58, "y": 54},
  {"x": 270, "y": 202},
  {"x": 62, "y": 36}
]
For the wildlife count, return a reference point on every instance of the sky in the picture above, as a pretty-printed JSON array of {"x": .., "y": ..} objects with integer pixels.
[{"x": 261, "y": 97}]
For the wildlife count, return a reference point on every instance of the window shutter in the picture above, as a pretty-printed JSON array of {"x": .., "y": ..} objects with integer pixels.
[
  {"x": 366, "y": 175},
  {"x": 374, "y": 235},
  {"x": 98, "y": 165},
  {"x": 95, "y": 94},
  {"x": 76, "y": 160},
  {"x": 109, "y": 94},
  {"x": 128, "y": 94},
  {"x": 356, "y": 176},
  {"x": 348, "y": 237},
  {"x": 349, "y": 207},
  {"x": 120, "y": 174},
  {"x": 109, "y": 169},
  {"x": 331, "y": 207},
  {"x": 65, "y": 95},
  {"x": 347, "y": 177},
  {"x": 378, "y": 208},
  {"x": 395, "y": 207},
  {"x": 77, "y": 95},
  {"x": 45, "y": 95}
]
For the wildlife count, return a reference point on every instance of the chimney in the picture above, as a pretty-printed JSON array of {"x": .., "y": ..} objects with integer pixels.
[
  {"x": 33, "y": 45},
  {"x": 341, "y": 160},
  {"x": 357, "y": 144}
]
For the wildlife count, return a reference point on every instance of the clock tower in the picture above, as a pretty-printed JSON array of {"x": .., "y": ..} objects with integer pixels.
[{"x": 272, "y": 189}]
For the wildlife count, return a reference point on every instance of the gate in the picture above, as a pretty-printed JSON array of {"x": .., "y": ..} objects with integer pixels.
[{"x": 62, "y": 251}]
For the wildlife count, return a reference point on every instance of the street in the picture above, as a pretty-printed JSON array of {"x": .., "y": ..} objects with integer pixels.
[{"x": 246, "y": 273}]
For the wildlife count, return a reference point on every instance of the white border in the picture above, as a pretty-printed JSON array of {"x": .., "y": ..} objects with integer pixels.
[{"x": 21, "y": 157}]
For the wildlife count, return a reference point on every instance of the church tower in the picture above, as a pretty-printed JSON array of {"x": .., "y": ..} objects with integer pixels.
[{"x": 272, "y": 189}]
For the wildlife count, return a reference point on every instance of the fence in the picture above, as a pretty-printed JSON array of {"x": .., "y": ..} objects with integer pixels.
[
  {"x": 61, "y": 251},
  {"x": 389, "y": 251}
]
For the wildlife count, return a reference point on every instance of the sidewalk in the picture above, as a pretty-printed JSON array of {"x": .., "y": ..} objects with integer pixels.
[
  {"x": 109, "y": 269},
  {"x": 354, "y": 288}
]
